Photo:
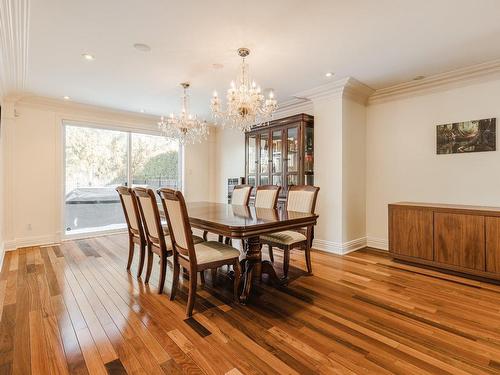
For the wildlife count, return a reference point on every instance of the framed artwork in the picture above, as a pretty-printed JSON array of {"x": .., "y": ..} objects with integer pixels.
[{"x": 467, "y": 136}]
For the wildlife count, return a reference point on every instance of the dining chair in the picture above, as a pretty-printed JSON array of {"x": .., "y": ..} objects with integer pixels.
[
  {"x": 157, "y": 235},
  {"x": 195, "y": 257},
  {"x": 240, "y": 197},
  {"x": 266, "y": 196},
  {"x": 134, "y": 226},
  {"x": 301, "y": 198}
]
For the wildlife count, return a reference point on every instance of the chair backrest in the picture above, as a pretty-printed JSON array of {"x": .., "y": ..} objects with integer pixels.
[
  {"x": 131, "y": 211},
  {"x": 241, "y": 195},
  {"x": 150, "y": 215},
  {"x": 175, "y": 209},
  {"x": 267, "y": 196},
  {"x": 302, "y": 198}
]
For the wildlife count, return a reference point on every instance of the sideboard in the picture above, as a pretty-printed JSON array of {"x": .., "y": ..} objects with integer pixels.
[{"x": 464, "y": 239}]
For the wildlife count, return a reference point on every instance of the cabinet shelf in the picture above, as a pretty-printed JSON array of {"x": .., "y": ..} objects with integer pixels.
[{"x": 296, "y": 132}]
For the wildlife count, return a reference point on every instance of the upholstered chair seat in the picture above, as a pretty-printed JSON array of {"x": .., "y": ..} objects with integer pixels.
[
  {"x": 287, "y": 237},
  {"x": 300, "y": 199},
  {"x": 213, "y": 251},
  {"x": 194, "y": 257},
  {"x": 158, "y": 236}
]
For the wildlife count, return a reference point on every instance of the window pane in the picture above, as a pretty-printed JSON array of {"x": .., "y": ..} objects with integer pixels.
[
  {"x": 292, "y": 180},
  {"x": 264, "y": 153},
  {"x": 277, "y": 180},
  {"x": 292, "y": 150},
  {"x": 96, "y": 162},
  {"x": 276, "y": 150},
  {"x": 154, "y": 161},
  {"x": 252, "y": 154}
]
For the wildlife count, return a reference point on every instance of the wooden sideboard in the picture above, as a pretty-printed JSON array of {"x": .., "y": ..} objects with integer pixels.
[{"x": 459, "y": 238}]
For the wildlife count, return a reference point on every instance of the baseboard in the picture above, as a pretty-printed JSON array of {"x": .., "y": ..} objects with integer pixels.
[
  {"x": 339, "y": 248},
  {"x": 29, "y": 241},
  {"x": 378, "y": 243}
]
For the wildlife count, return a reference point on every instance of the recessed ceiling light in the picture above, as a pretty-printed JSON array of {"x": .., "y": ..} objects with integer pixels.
[
  {"x": 142, "y": 47},
  {"x": 66, "y": 97},
  {"x": 142, "y": 110},
  {"x": 328, "y": 74},
  {"x": 418, "y": 78},
  {"x": 88, "y": 56}
]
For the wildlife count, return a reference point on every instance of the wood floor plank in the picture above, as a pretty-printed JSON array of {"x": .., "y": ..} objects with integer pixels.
[{"x": 74, "y": 309}]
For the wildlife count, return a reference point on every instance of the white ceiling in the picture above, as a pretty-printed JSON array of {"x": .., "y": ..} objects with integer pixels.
[{"x": 293, "y": 42}]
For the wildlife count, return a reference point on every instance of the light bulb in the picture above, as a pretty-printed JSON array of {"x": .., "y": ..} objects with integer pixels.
[
  {"x": 215, "y": 94},
  {"x": 271, "y": 95}
]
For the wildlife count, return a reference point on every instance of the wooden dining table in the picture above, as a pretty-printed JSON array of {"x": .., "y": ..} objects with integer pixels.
[{"x": 247, "y": 223}]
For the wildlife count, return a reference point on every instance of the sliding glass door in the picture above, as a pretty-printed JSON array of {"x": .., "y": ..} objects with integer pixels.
[{"x": 97, "y": 160}]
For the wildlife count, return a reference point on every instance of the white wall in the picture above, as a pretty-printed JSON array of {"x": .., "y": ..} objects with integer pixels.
[
  {"x": 199, "y": 180},
  {"x": 353, "y": 173},
  {"x": 229, "y": 160},
  {"x": 33, "y": 195},
  {"x": 402, "y": 164},
  {"x": 328, "y": 171}
]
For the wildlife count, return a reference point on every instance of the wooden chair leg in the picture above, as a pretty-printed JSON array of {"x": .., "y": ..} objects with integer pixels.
[
  {"x": 271, "y": 254},
  {"x": 227, "y": 241},
  {"x": 130, "y": 252},
  {"x": 163, "y": 273},
  {"x": 142, "y": 254},
  {"x": 192, "y": 293},
  {"x": 202, "y": 277},
  {"x": 175, "y": 280},
  {"x": 221, "y": 238},
  {"x": 149, "y": 265},
  {"x": 205, "y": 235},
  {"x": 237, "y": 279},
  {"x": 286, "y": 262},
  {"x": 308, "y": 258}
]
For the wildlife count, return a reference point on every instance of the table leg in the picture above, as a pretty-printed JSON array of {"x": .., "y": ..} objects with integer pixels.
[{"x": 254, "y": 267}]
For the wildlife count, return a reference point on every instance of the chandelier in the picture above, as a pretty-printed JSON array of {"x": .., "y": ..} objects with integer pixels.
[
  {"x": 184, "y": 127},
  {"x": 246, "y": 104}
]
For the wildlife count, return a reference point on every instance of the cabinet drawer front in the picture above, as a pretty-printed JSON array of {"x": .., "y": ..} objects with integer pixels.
[
  {"x": 493, "y": 244},
  {"x": 411, "y": 232},
  {"x": 459, "y": 240}
]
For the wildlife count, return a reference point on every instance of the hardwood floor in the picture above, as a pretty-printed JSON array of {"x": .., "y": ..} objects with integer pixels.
[{"x": 74, "y": 309}]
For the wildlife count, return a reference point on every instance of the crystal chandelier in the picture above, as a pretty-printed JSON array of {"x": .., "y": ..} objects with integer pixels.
[
  {"x": 185, "y": 127},
  {"x": 246, "y": 104}
]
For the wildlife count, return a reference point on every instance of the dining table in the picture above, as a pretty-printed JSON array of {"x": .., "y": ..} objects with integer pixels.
[{"x": 247, "y": 223}]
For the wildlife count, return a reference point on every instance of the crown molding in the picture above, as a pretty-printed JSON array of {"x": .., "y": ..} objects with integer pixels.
[
  {"x": 71, "y": 108},
  {"x": 457, "y": 77},
  {"x": 14, "y": 28},
  {"x": 345, "y": 87},
  {"x": 293, "y": 107}
]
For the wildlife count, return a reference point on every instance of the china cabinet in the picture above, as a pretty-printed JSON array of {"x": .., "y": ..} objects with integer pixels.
[{"x": 281, "y": 153}]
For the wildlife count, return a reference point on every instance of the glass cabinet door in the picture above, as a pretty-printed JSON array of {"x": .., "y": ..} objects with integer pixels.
[
  {"x": 252, "y": 160},
  {"x": 292, "y": 156},
  {"x": 309, "y": 155},
  {"x": 264, "y": 159},
  {"x": 277, "y": 157}
]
